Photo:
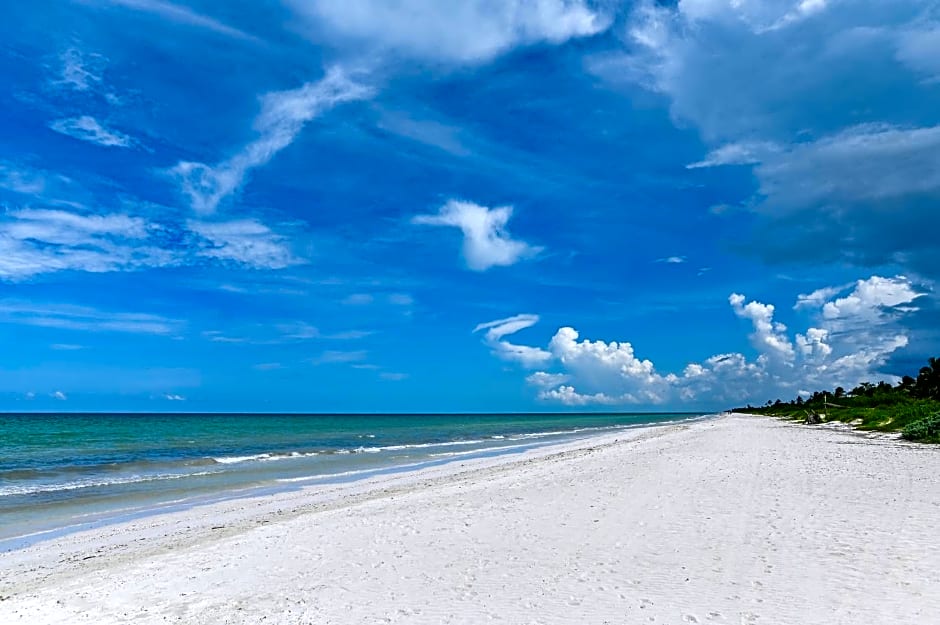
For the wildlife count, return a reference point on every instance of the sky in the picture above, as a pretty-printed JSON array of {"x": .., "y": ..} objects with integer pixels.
[{"x": 424, "y": 206}]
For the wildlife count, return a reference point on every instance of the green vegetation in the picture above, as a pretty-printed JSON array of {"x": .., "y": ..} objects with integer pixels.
[{"x": 912, "y": 407}]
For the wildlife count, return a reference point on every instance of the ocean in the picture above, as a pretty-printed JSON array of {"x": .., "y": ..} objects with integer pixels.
[{"x": 67, "y": 472}]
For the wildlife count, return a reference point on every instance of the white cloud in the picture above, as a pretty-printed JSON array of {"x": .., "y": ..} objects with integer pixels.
[
  {"x": 87, "y": 128},
  {"x": 173, "y": 397},
  {"x": 486, "y": 241},
  {"x": 84, "y": 318},
  {"x": 736, "y": 154},
  {"x": 672, "y": 260},
  {"x": 59, "y": 395},
  {"x": 65, "y": 347},
  {"x": 35, "y": 241},
  {"x": 545, "y": 380},
  {"x": 523, "y": 354},
  {"x": 245, "y": 241},
  {"x": 283, "y": 115},
  {"x": 603, "y": 367},
  {"x": 21, "y": 179},
  {"x": 400, "y": 299},
  {"x": 80, "y": 71},
  {"x": 470, "y": 31},
  {"x": 870, "y": 298},
  {"x": 769, "y": 337},
  {"x": 818, "y": 297},
  {"x": 179, "y": 14},
  {"x": 568, "y": 396},
  {"x": 393, "y": 377},
  {"x": 358, "y": 299},
  {"x": 336, "y": 356},
  {"x": 850, "y": 338},
  {"x": 299, "y": 331}
]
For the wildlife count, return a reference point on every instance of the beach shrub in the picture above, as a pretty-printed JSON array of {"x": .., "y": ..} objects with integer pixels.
[{"x": 925, "y": 430}]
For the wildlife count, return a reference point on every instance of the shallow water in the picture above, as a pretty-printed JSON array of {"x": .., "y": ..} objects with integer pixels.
[{"x": 59, "y": 471}]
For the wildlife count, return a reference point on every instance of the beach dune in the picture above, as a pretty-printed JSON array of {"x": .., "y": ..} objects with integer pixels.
[{"x": 742, "y": 520}]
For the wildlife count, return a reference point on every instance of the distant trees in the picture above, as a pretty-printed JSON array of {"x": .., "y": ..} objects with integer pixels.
[
  {"x": 911, "y": 406},
  {"x": 927, "y": 384}
]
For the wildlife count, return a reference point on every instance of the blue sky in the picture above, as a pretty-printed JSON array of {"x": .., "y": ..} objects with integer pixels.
[{"x": 315, "y": 205}]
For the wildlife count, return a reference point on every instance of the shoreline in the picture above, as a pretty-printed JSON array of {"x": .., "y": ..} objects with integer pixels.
[
  {"x": 275, "y": 486},
  {"x": 726, "y": 520}
]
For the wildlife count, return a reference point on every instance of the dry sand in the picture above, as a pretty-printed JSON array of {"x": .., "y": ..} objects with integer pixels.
[{"x": 733, "y": 520}]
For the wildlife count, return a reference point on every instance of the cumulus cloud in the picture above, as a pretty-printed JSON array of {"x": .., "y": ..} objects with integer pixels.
[
  {"x": 87, "y": 128},
  {"x": 545, "y": 380},
  {"x": 523, "y": 354},
  {"x": 283, "y": 115},
  {"x": 853, "y": 331},
  {"x": 672, "y": 260},
  {"x": 59, "y": 395},
  {"x": 471, "y": 31},
  {"x": 244, "y": 241},
  {"x": 769, "y": 337},
  {"x": 173, "y": 397},
  {"x": 486, "y": 241}
]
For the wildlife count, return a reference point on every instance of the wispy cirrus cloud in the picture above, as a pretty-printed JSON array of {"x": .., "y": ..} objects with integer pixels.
[
  {"x": 85, "y": 319},
  {"x": 247, "y": 242},
  {"x": 340, "y": 357},
  {"x": 40, "y": 241},
  {"x": 523, "y": 354},
  {"x": 672, "y": 260},
  {"x": 23, "y": 180},
  {"x": 87, "y": 128},
  {"x": 486, "y": 240},
  {"x": 179, "y": 14},
  {"x": 66, "y": 347},
  {"x": 36, "y": 241},
  {"x": 283, "y": 115},
  {"x": 80, "y": 71}
]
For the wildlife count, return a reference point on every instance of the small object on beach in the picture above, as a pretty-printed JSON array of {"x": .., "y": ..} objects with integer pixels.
[{"x": 813, "y": 418}]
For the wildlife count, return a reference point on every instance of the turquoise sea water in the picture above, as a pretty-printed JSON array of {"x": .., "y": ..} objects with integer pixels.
[{"x": 60, "y": 472}]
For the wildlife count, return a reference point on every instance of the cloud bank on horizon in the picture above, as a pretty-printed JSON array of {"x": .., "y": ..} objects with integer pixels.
[
  {"x": 263, "y": 180},
  {"x": 851, "y": 340}
]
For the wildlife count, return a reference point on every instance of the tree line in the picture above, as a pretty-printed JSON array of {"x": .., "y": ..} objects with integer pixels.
[{"x": 912, "y": 406}]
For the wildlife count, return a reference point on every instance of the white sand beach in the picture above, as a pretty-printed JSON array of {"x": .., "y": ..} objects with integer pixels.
[{"x": 743, "y": 520}]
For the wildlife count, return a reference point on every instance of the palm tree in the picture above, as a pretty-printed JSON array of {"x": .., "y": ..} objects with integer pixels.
[{"x": 928, "y": 380}]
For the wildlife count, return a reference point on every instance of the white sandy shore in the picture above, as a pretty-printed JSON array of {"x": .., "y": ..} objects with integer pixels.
[{"x": 734, "y": 520}]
